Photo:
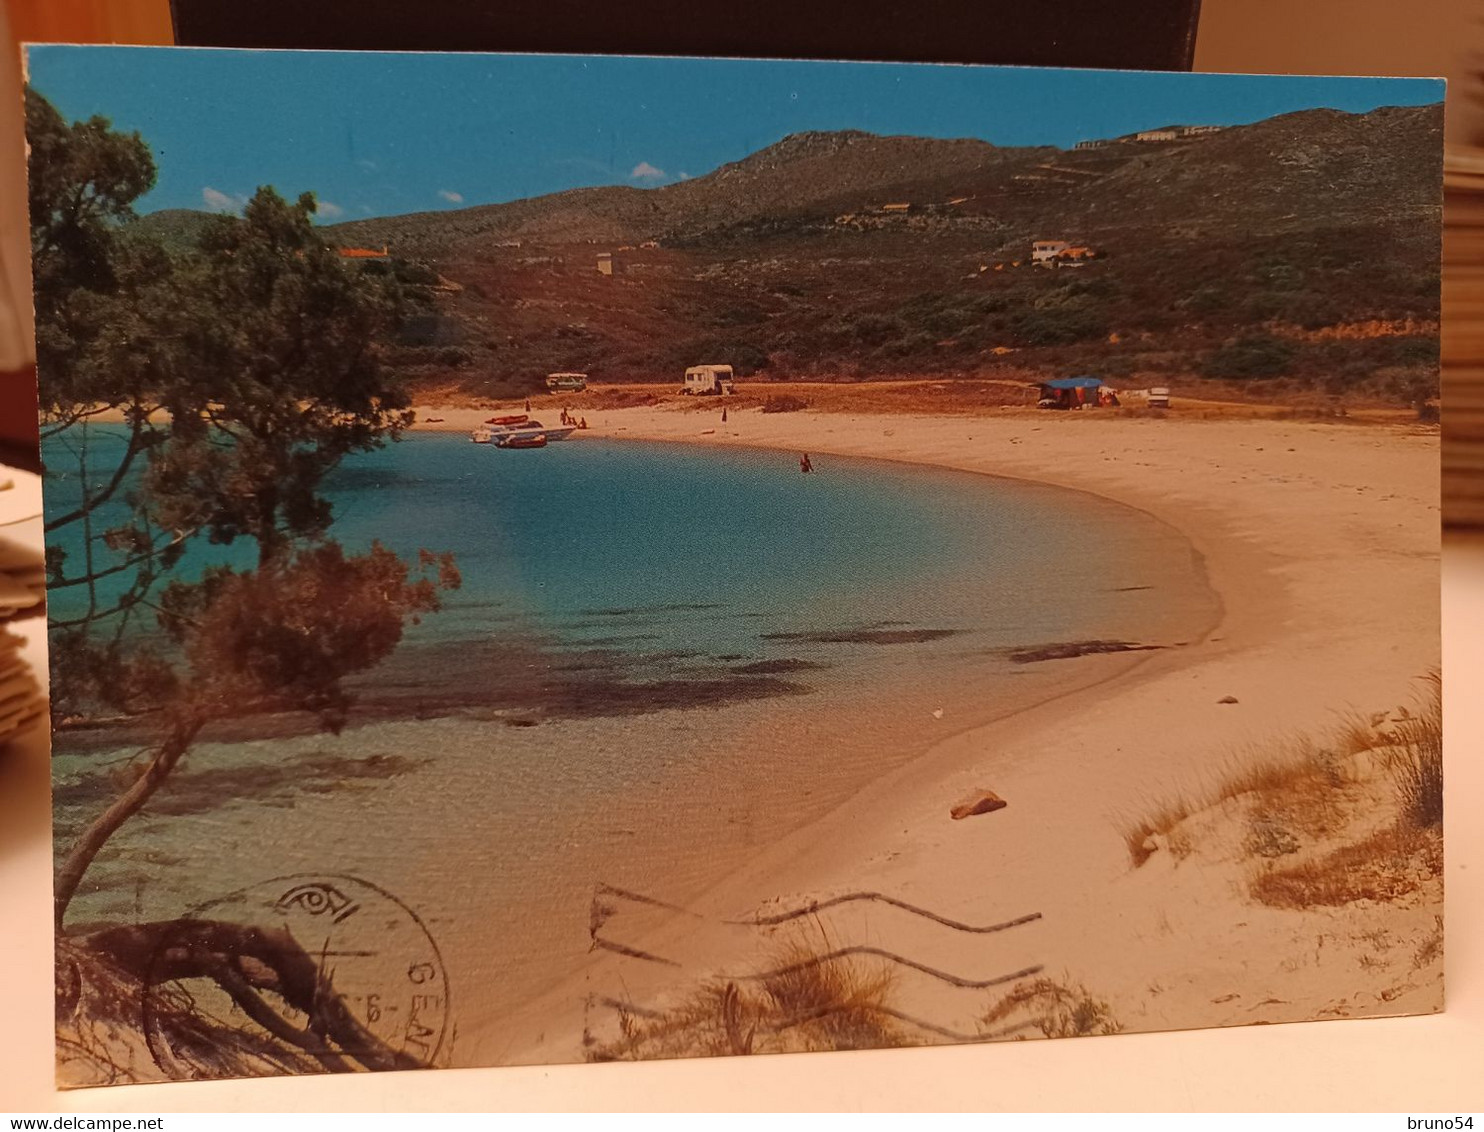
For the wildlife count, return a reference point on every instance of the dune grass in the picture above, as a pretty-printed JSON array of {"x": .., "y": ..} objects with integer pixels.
[
  {"x": 1357, "y": 732},
  {"x": 1430, "y": 950},
  {"x": 1305, "y": 787},
  {"x": 1384, "y": 867},
  {"x": 1264, "y": 773},
  {"x": 1140, "y": 833},
  {"x": 1414, "y": 759},
  {"x": 802, "y": 1003},
  {"x": 1059, "y": 1010},
  {"x": 1294, "y": 787},
  {"x": 1397, "y": 859}
]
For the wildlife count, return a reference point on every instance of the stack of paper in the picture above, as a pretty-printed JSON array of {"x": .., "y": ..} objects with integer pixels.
[
  {"x": 22, "y": 580},
  {"x": 22, "y": 594},
  {"x": 21, "y": 701}
]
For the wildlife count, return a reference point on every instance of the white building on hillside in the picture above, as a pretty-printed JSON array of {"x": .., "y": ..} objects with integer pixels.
[{"x": 1045, "y": 251}]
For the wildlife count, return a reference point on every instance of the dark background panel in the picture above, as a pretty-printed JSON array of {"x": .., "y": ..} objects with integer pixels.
[{"x": 1136, "y": 34}]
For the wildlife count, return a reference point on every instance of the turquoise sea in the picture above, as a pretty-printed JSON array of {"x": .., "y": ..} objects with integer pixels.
[
  {"x": 651, "y": 554},
  {"x": 663, "y": 658}
]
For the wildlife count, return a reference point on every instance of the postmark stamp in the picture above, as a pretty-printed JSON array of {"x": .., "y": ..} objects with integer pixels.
[{"x": 303, "y": 972}]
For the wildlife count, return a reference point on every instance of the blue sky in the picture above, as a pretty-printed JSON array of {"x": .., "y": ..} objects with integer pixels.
[{"x": 380, "y": 134}]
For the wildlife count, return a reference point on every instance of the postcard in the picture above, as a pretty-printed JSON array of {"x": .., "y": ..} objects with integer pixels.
[{"x": 560, "y": 559}]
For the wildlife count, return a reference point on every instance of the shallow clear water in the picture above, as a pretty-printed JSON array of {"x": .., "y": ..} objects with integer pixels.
[
  {"x": 894, "y": 592},
  {"x": 649, "y": 547}
]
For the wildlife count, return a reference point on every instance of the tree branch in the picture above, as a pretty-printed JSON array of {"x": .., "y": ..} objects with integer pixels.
[
  {"x": 182, "y": 732},
  {"x": 179, "y": 950},
  {"x": 93, "y": 502},
  {"x": 119, "y": 568}
]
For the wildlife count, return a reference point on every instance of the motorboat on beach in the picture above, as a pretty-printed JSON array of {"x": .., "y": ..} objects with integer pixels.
[
  {"x": 524, "y": 440},
  {"x": 521, "y": 426},
  {"x": 482, "y": 435},
  {"x": 535, "y": 428}
]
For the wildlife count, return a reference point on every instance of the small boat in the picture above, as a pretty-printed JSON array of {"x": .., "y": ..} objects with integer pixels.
[
  {"x": 533, "y": 440},
  {"x": 528, "y": 427},
  {"x": 481, "y": 435},
  {"x": 506, "y": 422}
]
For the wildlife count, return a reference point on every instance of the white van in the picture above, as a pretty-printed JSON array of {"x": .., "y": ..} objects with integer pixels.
[
  {"x": 707, "y": 380},
  {"x": 566, "y": 382}
]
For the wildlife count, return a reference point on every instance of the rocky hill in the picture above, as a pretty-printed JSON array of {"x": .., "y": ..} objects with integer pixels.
[{"x": 848, "y": 254}]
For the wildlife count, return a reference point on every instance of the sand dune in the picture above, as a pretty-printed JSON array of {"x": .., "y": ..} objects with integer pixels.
[{"x": 1323, "y": 544}]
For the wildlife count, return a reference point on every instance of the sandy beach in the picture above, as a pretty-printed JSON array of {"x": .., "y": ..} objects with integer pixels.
[{"x": 1321, "y": 541}]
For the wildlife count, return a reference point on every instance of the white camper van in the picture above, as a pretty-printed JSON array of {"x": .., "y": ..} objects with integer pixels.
[
  {"x": 566, "y": 382},
  {"x": 706, "y": 380}
]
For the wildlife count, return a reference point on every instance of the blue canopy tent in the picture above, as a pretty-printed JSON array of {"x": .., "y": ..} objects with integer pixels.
[{"x": 1074, "y": 392}]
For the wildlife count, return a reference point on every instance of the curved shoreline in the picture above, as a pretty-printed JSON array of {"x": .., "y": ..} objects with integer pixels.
[{"x": 1321, "y": 545}]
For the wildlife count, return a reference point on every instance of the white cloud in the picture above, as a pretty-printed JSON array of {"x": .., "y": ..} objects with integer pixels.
[
  {"x": 451, "y": 196},
  {"x": 329, "y": 210},
  {"x": 218, "y": 201},
  {"x": 644, "y": 171}
]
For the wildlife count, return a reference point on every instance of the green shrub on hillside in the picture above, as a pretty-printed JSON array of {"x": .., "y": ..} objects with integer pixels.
[
  {"x": 915, "y": 346},
  {"x": 1206, "y": 300},
  {"x": 1252, "y": 355},
  {"x": 744, "y": 356},
  {"x": 1058, "y": 327},
  {"x": 454, "y": 356},
  {"x": 742, "y": 314},
  {"x": 1421, "y": 351}
]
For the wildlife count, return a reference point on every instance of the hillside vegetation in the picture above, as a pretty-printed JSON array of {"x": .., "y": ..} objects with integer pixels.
[{"x": 1296, "y": 253}]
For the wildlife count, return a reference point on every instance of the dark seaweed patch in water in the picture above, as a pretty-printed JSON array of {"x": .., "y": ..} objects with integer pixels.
[
  {"x": 867, "y": 636},
  {"x": 669, "y": 607},
  {"x": 609, "y": 626},
  {"x": 475, "y": 603},
  {"x": 1069, "y": 649},
  {"x": 777, "y": 667},
  {"x": 585, "y": 664},
  {"x": 627, "y": 639},
  {"x": 640, "y": 697},
  {"x": 352, "y": 477},
  {"x": 190, "y": 791},
  {"x": 666, "y": 655},
  {"x": 485, "y": 679}
]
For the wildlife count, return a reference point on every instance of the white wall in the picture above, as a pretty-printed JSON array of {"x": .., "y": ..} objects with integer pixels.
[{"x": 1355, "y": 37}]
